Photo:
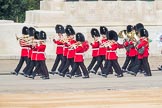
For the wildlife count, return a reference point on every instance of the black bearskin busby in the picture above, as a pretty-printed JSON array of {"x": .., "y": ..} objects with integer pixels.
[
  {"x": 139, "y": 26},
  {"x": 69, "y": 30},
  {"x": 31, "y": 31},
  {"x": 69, "y": 26},
  {"x": 25, "y": 30},
  {"x": 43, "y": 35},
  {"x": 144, "y": 33},
  {"x": 95, "y": 33},
  {"x": 59, "y": 29},
  {"x": 112, "y": 35},
  {"x": 36, "y": 35},
  {"x": 103, "y": 30},
  {"x": 129, "y": 28},
  {"x": 80, "y": 37}
]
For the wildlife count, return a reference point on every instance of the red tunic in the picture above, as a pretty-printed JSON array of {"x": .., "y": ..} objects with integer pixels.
[
  {"x": 79, "y": 51},
  {"x": 24, "y": 48},
  {"x": 34, "y": 54},
  {"x": 126, "y": 43},
  {"x": 111, "y": 52},
  {"x": 102, "y": 50},
  {"x": 71, "y": 51},
  {"x": 59, "y": 48},
  {"x": 133, "y": 51},
  {"x": 41, "y": 52},
  {"x": 29, "y": 51},
  {"x": 95, "y": 49},
  {"x": 143, "y": 43}
]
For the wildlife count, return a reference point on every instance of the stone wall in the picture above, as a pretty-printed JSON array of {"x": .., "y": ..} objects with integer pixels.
[
  {"x": 84, "y": 15},
  {"x": 94, "y": 13}
]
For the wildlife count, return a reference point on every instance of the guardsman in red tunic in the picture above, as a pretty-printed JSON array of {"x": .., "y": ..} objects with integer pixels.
[
  {"x": 78, "y": 57},
  {"x": 130, "y": 50},
  {"x": 41, "y": 65},
  {"x": 24, "y": 50},
  {"x": 59, "y": 49},
  {"x": 102, "y": 50},
  {"x": 70, "y": 52},
  {"x": 142, "y": 48},
  {"x": 95, "y": 48},
  {"x": 111, "y": 56},
  {"x": 33, "y": 62},
  {"x": 31, "y": 38}
]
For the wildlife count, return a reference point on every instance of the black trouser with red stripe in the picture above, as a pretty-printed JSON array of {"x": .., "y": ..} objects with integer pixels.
[
  {"x": 82, "y": 66},
  {"x": 70, "y": 61},
  {"x": 59, "y": 58},
  {"x": 127, "y": 60},
  {"x": 21, "y": 61},
  {"x": 42, "y": 68},
  {"x": 100, "y": 59},
  {"x": 93, "y": 61},
  {"x": 109, "y": 64},
  {"x": 31, "y": 67},
  {"x": 62, "y": 65},
  {"x": 27, "y": 66},
  {"x": 145, "y": 64}
]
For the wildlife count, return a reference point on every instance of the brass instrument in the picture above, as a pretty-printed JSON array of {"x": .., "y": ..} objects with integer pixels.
[
  {"x": 65, "y": 40},
  {"x": 22, "y": 37},
  {"x": 122, "y": 34},
  {"x": 108, "y": 43},
  {"x": 73, "y": 46}
]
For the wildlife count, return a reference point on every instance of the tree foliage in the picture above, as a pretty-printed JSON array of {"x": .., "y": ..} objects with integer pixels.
[{"x": 15, "y": 9}]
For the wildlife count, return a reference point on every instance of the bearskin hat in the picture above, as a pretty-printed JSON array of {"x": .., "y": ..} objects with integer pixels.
[
  {"x": 103, "y": 30},
  {"x": 139, "y": 26},
  {"x": 59, "y": 29},
  {"x": 129, "y": 28},
  {"x": 80, "y": 37},
  {"x": 95, "y": 32},
  {"x": 69, "y": 26},
  {"x": 31, "y": 31},
  {"x": 69, "y": 30},
  {"x": 25, "y": 30},
  {"x": 144, "y": 33},
  {"x": 36, "y": 35},
  {"x": 43, "y": 35},
  {"x": 112, "y": 35}
]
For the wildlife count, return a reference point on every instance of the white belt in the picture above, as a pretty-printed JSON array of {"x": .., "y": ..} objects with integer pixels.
[
  {"x": 40, "y": 52},
  {"x": 34, "y": 51},
  {"x": 111, "y": 51},
  {"x": 70, "y": 49},
  {"x": 65, "y": 47},
  {"x": 79, "y": 53},
  {"x": 60, "y": 45},
  {"x": 25, "y": 47},
  {"x": 95, "y": 48}
]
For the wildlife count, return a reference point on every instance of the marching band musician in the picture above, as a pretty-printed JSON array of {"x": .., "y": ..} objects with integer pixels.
[
  {"x": 102, "y": 50},
  {"x": 130, "y": 50},
  {"x": 59, "y": 50},
  {"x": 24, "y": 50},
  {"x": 29, "y": 71},
  {"x": 78, "y": 58},
  {"x": 40, "y": 57},
  {"x": 31, "y": 38},
  {"x": 111, "y": 57},
  {"x": 142, "y": 48},
  {"x": 95, "y": 48},
  {"x": 70, "y": 50}
]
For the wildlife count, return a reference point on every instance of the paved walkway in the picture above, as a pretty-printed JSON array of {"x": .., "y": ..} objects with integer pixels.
[
  {"x": 95, "y": 92},
  {"x": 12, "y": 83}
]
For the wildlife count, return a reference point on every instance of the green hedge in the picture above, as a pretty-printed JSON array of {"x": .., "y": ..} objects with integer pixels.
[{"x": 15, "y": 9}]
